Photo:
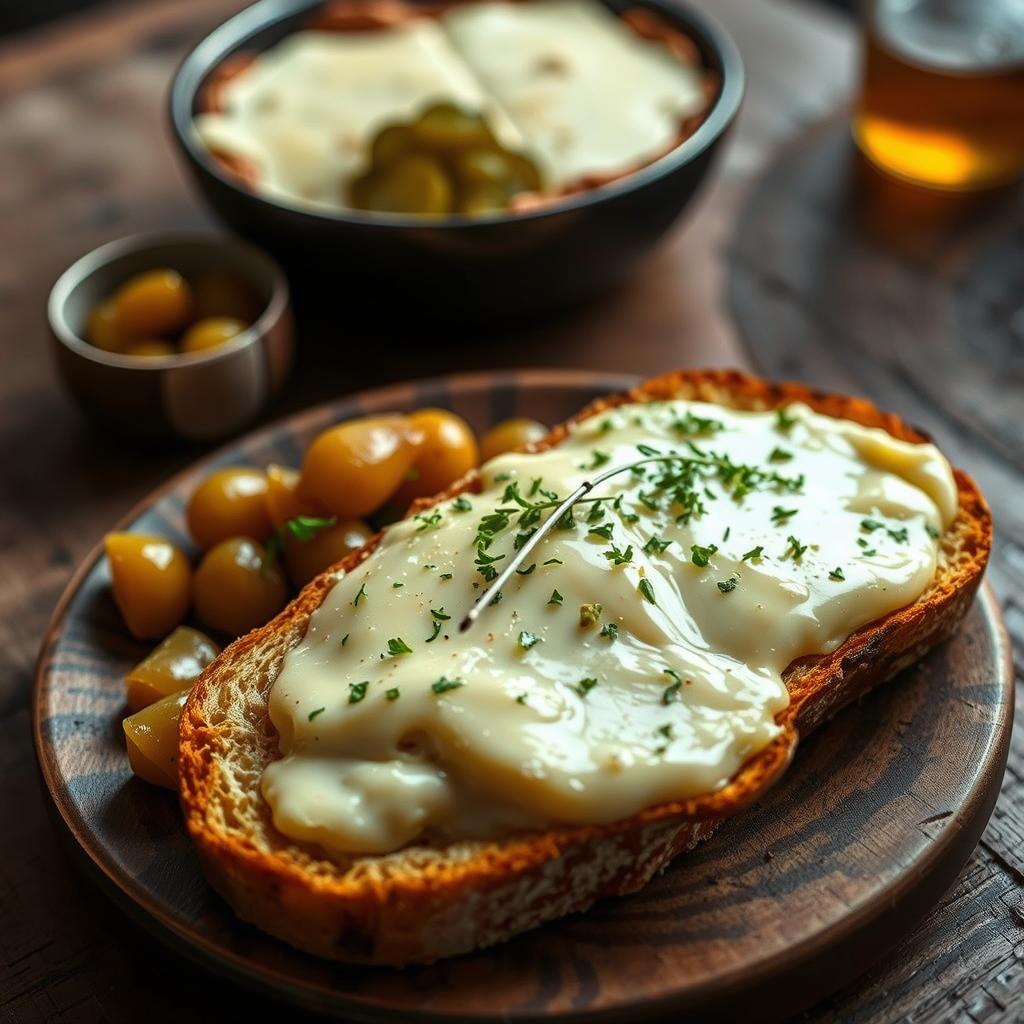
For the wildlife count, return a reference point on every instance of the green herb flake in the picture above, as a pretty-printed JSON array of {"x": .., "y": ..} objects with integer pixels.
[
  {"x": 597, "y": 459},
  {"x": 610, "y": 631},
  {"x": 555, "y": 598},
  {"x": 392, "y": 694},
  {"x": 528, "y": 640},
  {"x": 521, "y": 699},
  {"x": 440, "y": 613},
  {"x": 357, "y": 691},
  {"x": 304, "y": 528},
  {"x": 931, "y": 531},
  {"x": 397, "y": 646},
  {"x": 605, "y": 531},
  {"x": 656, "y": 546},
  {"x": 584, "y": 686},
  {"x": 646, "y": 590},
  {"x": 752, "y": 553},
  {"x": 435, "y": 632},
  {"x": 428, "y": 520},
  {"x": 782, "y": 515},
  {"x": 446, "y": 575},
  {"x": 313, "y": 714},
  {"x": 527, "y": 570},
  {"x": 443, "y": 685},
  {"x": 554, "y": 561},
  {"x": 779, "y": 455},
  {"x": 783, "y": 420},
  {"x": 344, "y": 639},
  {"x": 619, "y": 557},
  {"x": 727, "y": 586},
  {"x": 871, "y": 525},
  {"x": 359, "y": 596},
  {"x": 700, "y": 556},
  {"x": 397, "y": 586},
  {"x": 837, "y": 574},
  {"x": 462, "y": 504},
  {"x": 796, "y": 549}
]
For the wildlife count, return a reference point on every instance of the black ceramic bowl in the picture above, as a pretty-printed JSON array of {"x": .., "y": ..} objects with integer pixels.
[{"x": 503, "y": 264}]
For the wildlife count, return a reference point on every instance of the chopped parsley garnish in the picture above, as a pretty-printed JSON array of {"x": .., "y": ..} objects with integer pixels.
[
  {"x": 619, "y": 557},
  {"x": 554, "y": 561},
  {"x": 796, "y": 549},
  {"x": 555, "y": 598},
  {"x": 900, "y": 535},
  {"x": 646, "y": 590},
  {"x": 665, "y": 730},
  {"x": 752, "y": 553},
  {"x": 435, "y": 632},
  {"x": 596, "y": 513},
  {"x": 691, "y": 424},
  {"x": 779, "y": 455},
  {"x": 604, "y": 531},
  {"x": 646, "y": 449},
  {"x": 871, "y": 525},
  {"x": 783, "y": 420},
  {"x": 671, "y": 692},
  {"x": 397, "y": 646},
  {"x": 527, "y": 570},
  {"x": 590, "y": 614},
  {"x": 359, "y": 596},
  {"x": 837, "y": 574},
  {"x": 727, "y": 586},
  {"x": 528, "y": 640},
  {"x": 428, "y": 520},
  {"x": 305, "y": 528},
  {"x": 656, "y": 546},
  {"x": 440, "y": 613},
  {"x": 931, "y": 531},
  {"x": 397, "y": 586},
  {"x": 392, "y": 694},
  {"x": 462, "y": 504},
  {"x": 597, "y": 459},
  {"x": 782, "y": 515},
  {"x": 443, "y": 685},
  {"x": 584, "y": 686},
  {"x": 313, "y": 714},
  {"x": 610, "y": 630},
  {"x": 344, "y": 639},
  {"x": 357, "y": 691},
  {"x": 446, "y": 575},
  {"x": 521, "y": 699},
  {"x": 700, "y": 556}
]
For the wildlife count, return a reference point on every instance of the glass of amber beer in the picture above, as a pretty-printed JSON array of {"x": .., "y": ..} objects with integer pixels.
[{"x": 942, "y": 100}]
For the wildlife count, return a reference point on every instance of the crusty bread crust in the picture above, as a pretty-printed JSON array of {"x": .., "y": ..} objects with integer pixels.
[{"x": 425, "y": 902}]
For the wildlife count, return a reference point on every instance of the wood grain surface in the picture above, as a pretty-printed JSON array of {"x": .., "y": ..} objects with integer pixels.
[{"x": 86, "y": 158}]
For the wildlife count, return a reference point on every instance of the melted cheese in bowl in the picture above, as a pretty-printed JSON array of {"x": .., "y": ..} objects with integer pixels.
[
  {"x": 564, "y": 81},
  {"x": 637, "y": 659}
]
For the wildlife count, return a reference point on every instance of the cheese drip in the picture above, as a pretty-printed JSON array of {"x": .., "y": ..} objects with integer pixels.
[{"x": 638, "y": 660}]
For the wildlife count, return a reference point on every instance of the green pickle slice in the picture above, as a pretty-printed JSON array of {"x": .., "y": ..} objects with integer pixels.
[{"x": 445, "y": 161}]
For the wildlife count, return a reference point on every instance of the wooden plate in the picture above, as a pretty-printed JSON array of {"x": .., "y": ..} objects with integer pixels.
[{"x": 878, "y": 814}]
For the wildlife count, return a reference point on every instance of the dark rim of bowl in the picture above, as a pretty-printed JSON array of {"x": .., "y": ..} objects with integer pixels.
[
  {"x": 224, "y": 40},
  {"x": 104, "y": 254}
]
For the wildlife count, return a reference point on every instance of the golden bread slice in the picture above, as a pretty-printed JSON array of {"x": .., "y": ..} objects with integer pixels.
[{"x": 424, "y": 902}]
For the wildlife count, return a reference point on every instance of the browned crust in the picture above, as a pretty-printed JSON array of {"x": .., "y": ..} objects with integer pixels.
[
  {"x": 354, "y": 915},
  {"x": 368, "y": 15}
]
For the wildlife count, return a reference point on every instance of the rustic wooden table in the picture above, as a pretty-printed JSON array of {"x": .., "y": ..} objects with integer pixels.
[{"x": 788, "y": 263}]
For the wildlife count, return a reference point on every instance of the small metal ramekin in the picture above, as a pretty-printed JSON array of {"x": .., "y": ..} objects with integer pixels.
[{"x": 199, "y": 397}]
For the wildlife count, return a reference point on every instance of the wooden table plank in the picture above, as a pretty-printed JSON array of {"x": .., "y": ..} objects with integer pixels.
[{"x": 86, "y": 158}]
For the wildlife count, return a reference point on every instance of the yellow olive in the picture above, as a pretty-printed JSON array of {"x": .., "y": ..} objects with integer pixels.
[
  {"x": 446, "y": 127},
  {"x": 223, "y": 294},
  {"x": 152, "y": 739},
  {"x": 410, "y": 184},
  {"x": 508, "y": 435},
  {"x": 448, "y": 452},
  {"x": 390, "y": 143},
  {"x": 211, "y": 333},
  {"x": 236, "y": 588},
  {"x": 156, "y": 303},
  {"x": 285, "y": 500},
  {"x": 173, "y": 664},
  {"x": 306, "y": 559},
  {"x": 352, "y": 469},
  {"x": 101, "y": 330},
  {"x": 150, "y": 348},
  {"x": 229, "y": 503},
  {"x": 152, "y": 582}
]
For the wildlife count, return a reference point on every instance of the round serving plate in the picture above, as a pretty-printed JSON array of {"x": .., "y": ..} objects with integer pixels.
[{"x": 876, "y": 817}]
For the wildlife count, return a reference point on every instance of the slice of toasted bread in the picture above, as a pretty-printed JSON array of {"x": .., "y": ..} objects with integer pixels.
[{"x": 425, "y": 902}]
